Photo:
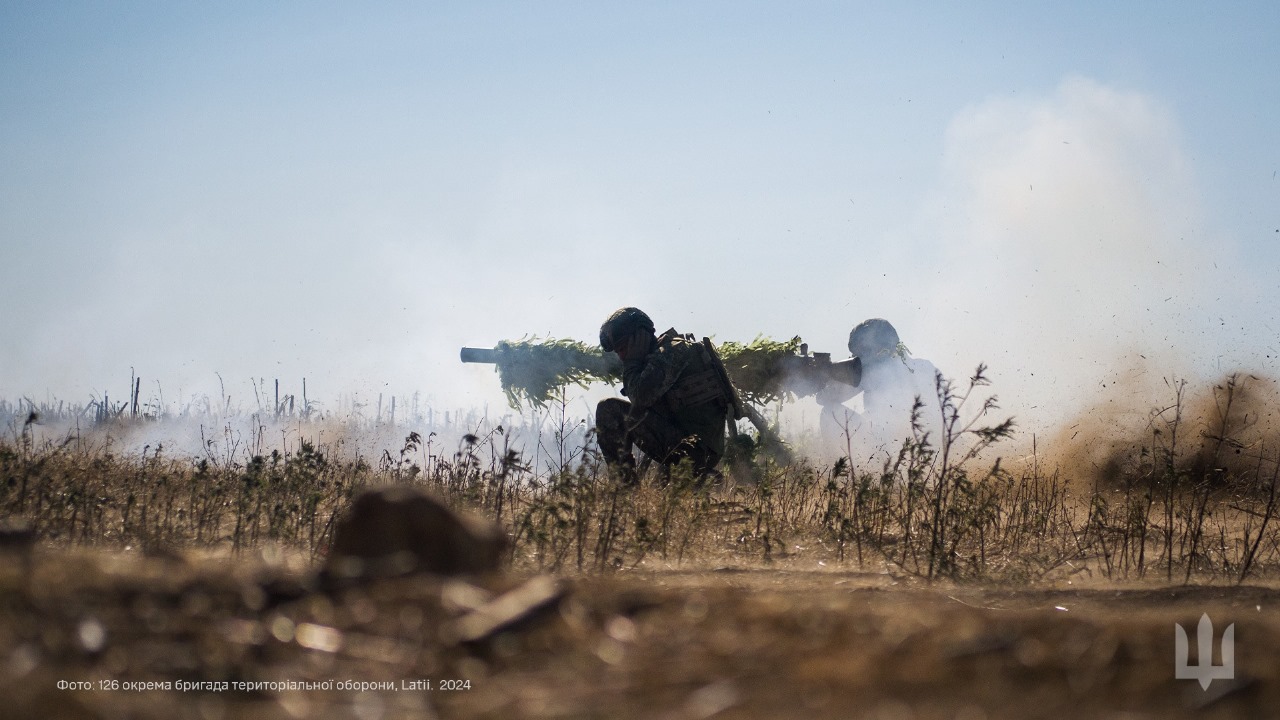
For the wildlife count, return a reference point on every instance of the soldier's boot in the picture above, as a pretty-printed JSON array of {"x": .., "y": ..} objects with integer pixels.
[{"x": 701, "y": 458}]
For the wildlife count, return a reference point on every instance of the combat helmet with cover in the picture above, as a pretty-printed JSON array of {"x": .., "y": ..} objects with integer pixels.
[
  {"x": 623, "y": 323},
  {"x": 874, "y": 339}
]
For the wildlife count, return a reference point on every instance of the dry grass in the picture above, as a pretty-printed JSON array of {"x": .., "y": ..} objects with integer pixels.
[{"x": 1171, "y": 504}]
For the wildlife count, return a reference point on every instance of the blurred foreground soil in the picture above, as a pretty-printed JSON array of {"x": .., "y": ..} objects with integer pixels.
[{"x": 94, "y": 634}]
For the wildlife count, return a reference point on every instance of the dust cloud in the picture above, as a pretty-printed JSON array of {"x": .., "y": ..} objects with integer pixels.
[{"x": 1226, "y": 432}]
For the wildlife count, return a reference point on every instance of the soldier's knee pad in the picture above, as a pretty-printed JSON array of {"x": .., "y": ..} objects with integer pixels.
[{"x": 612, "y": 412}]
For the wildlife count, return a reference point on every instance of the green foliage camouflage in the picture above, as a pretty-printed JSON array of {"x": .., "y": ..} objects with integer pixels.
[
  {"x": 531, "y": 370},
  {"x": 758, "y": 368}
]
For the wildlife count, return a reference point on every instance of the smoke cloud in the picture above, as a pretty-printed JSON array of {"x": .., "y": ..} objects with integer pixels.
[{"x": 1073, "y": 256}]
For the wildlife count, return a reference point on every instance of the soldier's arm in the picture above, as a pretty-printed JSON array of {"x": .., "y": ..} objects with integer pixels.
[
  {"x": 648, "y": 378},
  {"x": 834, "y": 393}
]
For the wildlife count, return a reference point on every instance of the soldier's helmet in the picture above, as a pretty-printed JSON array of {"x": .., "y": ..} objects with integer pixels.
[
  {"x": 873, "y": 339},
  {"x": 623, "y": 322}
]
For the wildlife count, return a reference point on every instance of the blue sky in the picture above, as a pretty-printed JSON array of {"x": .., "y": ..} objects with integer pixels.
[{"x": 1074, "y": 194}]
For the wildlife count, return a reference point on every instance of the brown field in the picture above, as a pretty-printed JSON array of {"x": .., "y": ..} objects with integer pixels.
[
  {"x": 942, "y": 582},
  {"x": 728, "y": 642}
]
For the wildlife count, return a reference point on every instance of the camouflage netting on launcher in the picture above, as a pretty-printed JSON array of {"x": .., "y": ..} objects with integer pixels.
[
  {"x": 531, "y": 370},
  {"x": 758, "y": 369}
]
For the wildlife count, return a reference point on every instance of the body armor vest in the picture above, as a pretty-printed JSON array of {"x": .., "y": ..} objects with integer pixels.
[{"x": 701, "y": 381}]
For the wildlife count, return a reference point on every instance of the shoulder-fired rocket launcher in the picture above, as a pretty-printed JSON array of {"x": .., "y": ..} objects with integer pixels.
[{"x": 763, "y": 370}]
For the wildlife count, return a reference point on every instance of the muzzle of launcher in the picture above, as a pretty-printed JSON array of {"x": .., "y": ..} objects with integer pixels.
[{"x": 479, "y": 355}]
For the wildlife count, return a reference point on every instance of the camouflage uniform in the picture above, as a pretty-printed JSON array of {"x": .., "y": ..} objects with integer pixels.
[{"x": 677, "y": 409}]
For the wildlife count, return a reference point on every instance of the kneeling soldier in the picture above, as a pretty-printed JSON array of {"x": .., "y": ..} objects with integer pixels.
[{"x": 679, "y": 397}]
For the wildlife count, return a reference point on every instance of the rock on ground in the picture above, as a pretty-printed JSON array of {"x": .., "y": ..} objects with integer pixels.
[{"x": 399, "y": 529}]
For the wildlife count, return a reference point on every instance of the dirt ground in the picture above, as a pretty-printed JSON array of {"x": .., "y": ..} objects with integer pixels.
[{"x": 93, "y": 634}]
